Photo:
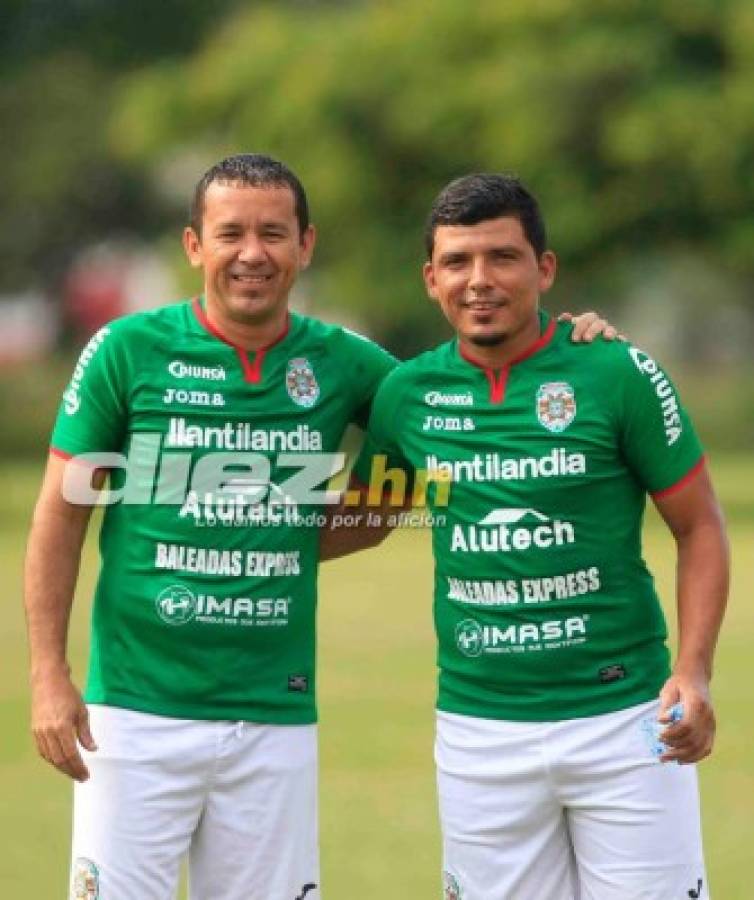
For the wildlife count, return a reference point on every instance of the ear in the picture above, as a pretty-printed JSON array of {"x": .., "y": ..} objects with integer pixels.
[
  {"x": 428, "y": 273},
  {"x": 548, "y": 265},
  {"x": 308, "y": 240},
  {"x": 193, "y": 247}
]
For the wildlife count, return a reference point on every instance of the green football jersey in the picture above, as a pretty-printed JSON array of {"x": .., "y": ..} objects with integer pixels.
[
  {"x": 205, "y": 604},
  {"x": 544, "y": 608}
]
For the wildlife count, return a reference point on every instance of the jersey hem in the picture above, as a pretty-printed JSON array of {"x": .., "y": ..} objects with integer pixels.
[
  {"x": 585, "y": 711},
  {"x": 188, "y": 711}
]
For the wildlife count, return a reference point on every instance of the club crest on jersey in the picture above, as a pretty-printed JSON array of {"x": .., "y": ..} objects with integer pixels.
[
  {"x": 300, "y": 382},
  {"x": 85, "y": 879},
  {"x": 556, "y": 405}
]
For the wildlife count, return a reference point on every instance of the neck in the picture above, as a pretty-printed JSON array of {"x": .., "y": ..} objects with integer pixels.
[
  {"x": 503, "y": 354},
  {"x": 247, "y": 335}
]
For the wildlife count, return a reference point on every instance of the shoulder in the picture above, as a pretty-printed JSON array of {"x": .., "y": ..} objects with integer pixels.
[
  {"x": 145, "y": 325},
  {"x": 601, "y": 359},
  {"x": 420, "y": 371},
  {"x": 172, "y": 317},
  {"x": 358, "y": 355}
]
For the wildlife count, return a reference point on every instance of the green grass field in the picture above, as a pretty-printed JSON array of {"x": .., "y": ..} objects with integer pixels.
[{"x": 379, "y": 829}]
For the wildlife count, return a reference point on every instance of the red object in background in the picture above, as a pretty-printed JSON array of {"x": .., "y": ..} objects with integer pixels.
[{"x": 93, "y": 294}]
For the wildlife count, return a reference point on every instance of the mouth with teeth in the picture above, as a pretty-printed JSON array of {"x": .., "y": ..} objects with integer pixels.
[{"x": 250, "y": 278}]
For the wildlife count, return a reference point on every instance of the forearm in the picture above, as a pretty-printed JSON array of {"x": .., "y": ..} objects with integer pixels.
[
  {"x": 349, "y": 530},
  {"x": 52, "y": 565},
  {"x": 702, "y": 591}
]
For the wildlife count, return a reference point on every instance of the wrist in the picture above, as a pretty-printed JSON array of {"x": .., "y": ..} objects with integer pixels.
[
  {"x": 49, "y": 669},
  {"x": 693, "y": 669}
]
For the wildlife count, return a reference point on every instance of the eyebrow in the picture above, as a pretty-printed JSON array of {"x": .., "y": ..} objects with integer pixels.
[
  {"x": 233, "y": 223},
  {"x": 462, "y": 252}
]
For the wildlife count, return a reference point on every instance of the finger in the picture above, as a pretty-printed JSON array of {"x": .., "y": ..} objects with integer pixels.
[
  {"x": 581, "y": 325},
  {"x": 64, "y": 755},
  {"x": 42, "y": 746},
  {"x": 565, "y": 317},
  {"x": 610, "y": 332},
  {"x": 595, "y": 329},
  {"x": 686, "y": 755},
  {"x": 669, "y": 696},
  {"x": 83, "y": 731}
]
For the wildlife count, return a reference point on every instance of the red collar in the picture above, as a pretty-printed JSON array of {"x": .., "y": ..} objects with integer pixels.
[
  {"x": 252, "y": 371},
  {"x": 499, "y": 380}
]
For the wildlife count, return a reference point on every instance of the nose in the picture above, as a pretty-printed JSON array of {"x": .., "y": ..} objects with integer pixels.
[
  {"x": 479, "y": 278},
  {"x": 252, "y": 249}
]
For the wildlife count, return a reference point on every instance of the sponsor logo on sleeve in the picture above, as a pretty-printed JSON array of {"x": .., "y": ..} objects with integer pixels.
[
  {"x": 556, "y": 405},
  {"x": 300, "y": 382},
  {"x": 669, "y": 406},
  {"x": 71, "y": 398}
]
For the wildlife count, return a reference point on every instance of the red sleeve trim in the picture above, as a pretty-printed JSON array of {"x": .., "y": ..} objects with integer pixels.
[
  {"x": 689, "y": 476},
  {"x": 76, "y": 460}
]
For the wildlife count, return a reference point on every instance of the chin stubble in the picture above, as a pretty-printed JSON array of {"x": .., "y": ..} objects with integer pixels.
[{"x": 487, "y": 340}]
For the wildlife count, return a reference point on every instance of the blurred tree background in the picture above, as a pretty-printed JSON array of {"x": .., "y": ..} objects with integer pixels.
[{"x": 633, "y": 121}]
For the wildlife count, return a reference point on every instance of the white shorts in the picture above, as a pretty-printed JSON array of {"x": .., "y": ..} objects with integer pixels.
[
  {"x": 239, "y": 798},
  {"x": 573, "y": 810}
]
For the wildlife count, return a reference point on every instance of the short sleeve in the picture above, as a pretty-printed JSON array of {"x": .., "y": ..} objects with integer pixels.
[
  {"x": 382, "y": 435},
  {"x": 92, "y": 416},
  {"x": 657, "y": 437},
  {"x": 366, "y": 366}
]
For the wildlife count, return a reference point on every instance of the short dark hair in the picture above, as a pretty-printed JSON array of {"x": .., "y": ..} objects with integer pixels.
[
  {"x": 481, "y": 196},
  {"x": 254, "y": 170}
]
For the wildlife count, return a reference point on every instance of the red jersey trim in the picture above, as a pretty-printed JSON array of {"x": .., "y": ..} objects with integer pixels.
[
  {"x": 76, "y": 460},
  {"x": 499, "y": 380},
  {"x": 252, "y": 371},
  {"x": 682, "y": 482}
]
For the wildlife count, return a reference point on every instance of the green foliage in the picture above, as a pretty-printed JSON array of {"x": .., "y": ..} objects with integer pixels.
[
  {"x": 62, "y": 186},
  {"x": 632, "y": 121}
]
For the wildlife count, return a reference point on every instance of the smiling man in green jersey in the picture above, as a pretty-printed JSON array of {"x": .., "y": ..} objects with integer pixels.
[
  {"x": 215, "y": 417},
  {"x": 552, "y": 652},
  {"x": 201, "y": 685}
]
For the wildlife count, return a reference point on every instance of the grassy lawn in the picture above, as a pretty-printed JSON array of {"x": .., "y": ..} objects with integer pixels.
[{"x": 379, "y": 830}]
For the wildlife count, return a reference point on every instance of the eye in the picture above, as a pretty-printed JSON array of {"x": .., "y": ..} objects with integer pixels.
[{"x": 505, "y": 255}]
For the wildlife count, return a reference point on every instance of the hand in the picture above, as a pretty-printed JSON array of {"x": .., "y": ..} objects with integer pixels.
[
  {"x": 691, "y": 738},
  {"x": 58, "y": 718},
  {"x": 590, "y": 325}
]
